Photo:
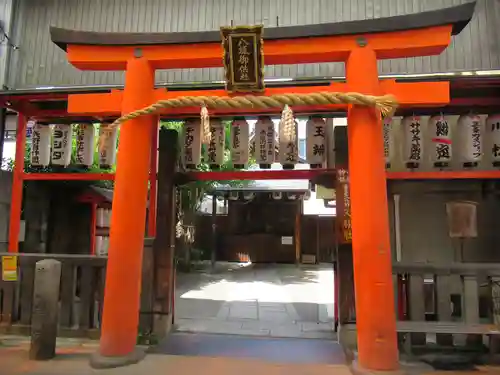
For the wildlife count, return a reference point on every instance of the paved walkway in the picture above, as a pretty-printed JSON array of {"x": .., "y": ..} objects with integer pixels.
[
  {"x": 187, "y": 354},
  {"x": 257, "y": 300}
]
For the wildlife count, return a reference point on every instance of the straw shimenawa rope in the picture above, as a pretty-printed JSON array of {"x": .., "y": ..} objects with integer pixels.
[{"x": 386, "y": 104}]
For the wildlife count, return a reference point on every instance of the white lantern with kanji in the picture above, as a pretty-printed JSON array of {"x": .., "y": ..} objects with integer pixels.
[
  {"x": 191, "y": 143},
  {"x": 493, "y": 135},
  {"x": 316, "y": 142},
  {"x": 440, "y": 134},
  {"x": 412, "y": 141},
  {"x": 107, "y": 145},
  {"x": 471, "y": 140},
  {"x": 85, "y": 144},
  {"x": 216, "y": 144},
  {"x": 62, "y": 144},
  {"x": 40, "y": 145},
  {"x": 240, "y": 142},
  {"x": 387, "y": 136},
  {"x": 265, "y": 142}
]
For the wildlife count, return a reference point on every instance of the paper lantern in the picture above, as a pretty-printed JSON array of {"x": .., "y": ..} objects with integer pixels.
[
  {"x": 469, "y": 133},
  {"x": 277, "y": 195},
  {"x": 62, "y": 144},
  {"x": 107, "y": 146},
  {"x": 216, "y": 144},
  {"x": 316, "y": 142},
  {"x": 387, "y": 136},
  {"x": 191, "y": 143},
  {"x": 240, "y": 143},
  {"x": 248, "y": 196},
  {"x": 288, "y": 142},
  {"x": 233, "y": 196},
  {"x": 493, "y": 135},
  {"x": 440, "y": 133},
  {"x": 40, "y": 145},
  {"x": 85, "y": 144},
  {"x": 265, "y": 142},
  {"x": 412, "y": 141}
]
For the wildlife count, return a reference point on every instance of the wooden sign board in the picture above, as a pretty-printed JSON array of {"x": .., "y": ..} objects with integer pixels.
[
  {"x": 243, "y": 58},
  {"x": 344, "y": 228}
]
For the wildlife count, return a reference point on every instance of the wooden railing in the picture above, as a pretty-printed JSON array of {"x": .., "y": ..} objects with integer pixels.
[
  {"x": 446, "y": 301},
  {"x": 81, "y": 295}
]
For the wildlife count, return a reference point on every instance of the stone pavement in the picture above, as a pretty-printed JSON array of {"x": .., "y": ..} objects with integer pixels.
[
  {"x": 257, "y": 300},
  {"x": 73, "y": 358}
]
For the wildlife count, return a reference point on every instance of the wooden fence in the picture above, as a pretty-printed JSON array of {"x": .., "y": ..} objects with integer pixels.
[
  {"x": 81, "y": 295},
  {"x": 442, "y": 301},
  {"x": 448, "y": 302}
]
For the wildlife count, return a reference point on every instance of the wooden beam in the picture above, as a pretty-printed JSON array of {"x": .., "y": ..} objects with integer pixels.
[
  {"x": 408, "y": 95},
  {"x": 388, "y": 45}
]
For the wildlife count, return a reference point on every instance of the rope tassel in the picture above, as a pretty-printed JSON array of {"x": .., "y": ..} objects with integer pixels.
[
  {"x": 205, "y": 125},
  {"x": 288, "y": 123}
]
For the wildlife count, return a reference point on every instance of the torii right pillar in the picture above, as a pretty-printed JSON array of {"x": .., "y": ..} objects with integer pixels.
[{"x": 372, "y": 259}]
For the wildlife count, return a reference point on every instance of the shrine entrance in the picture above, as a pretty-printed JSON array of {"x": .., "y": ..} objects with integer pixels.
[{"x": 365, "y": 98}]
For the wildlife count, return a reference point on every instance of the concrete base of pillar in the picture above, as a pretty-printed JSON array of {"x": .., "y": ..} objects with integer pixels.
[
  {"x": 348, "y": 336},
  {"x": 98, "y": 361},
  {"x": 162, "y": 325}
]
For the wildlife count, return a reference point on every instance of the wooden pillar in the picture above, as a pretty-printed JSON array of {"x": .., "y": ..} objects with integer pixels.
[
  {"x": 318, "y": 255},
  {"x": 93, "y": 224},
  {"x": 153, "y": 180},
  {"x": 297, "y": 234},
  {"x": 375, "y": 311},
  {"x": 123, "y": 276},
  {"x": 17, "y": 185},
  {"x": 345, "y": 285},
  {"x": 164, "y": 244},
  {"x": 3, "y": 119},
  {"x": 213, "y": 255}
]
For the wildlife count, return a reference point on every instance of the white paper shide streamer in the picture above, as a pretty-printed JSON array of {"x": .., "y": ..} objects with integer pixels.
[
  {"x": 412, "y": 141},
  {"x": 265, "y": 141},
  {"x": 240, "y": 139},
  {"x": 40, "y": 145},
  {"x": 85, "y": 144},
  {"x": 62, "y": 142},
  {"x": 215, "y": 148},
  {"x": 387, "y": 135},
  {"x": 107, "y": 148},
  {"x": 440, "y": 133},
  {"x": 316, "y": 142},
  {"x": 469, "y": 133},
  {"x": 191, "y": 142},
  {"x": 493, "y": 134},
  {"x": 288, "y": 142}
]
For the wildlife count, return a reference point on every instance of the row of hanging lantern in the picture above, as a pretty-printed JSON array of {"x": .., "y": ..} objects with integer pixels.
[
  {"x": 439, "y": 140},
  {"x": 276, "y": 195},
  {"x": 264, "y": 144},
  {"x": 53, "y": 144}
]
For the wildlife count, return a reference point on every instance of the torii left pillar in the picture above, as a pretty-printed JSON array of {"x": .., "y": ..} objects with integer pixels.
[{"x": 123, "y": 276}]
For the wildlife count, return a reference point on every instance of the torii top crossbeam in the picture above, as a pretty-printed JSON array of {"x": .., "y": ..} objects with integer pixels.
[
  {"x": 418, "y": 34},
  {"x": 360, "y": 44}
]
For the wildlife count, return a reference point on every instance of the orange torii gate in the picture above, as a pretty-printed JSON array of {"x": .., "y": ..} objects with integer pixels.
[{"x": 360, "y": 44}]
